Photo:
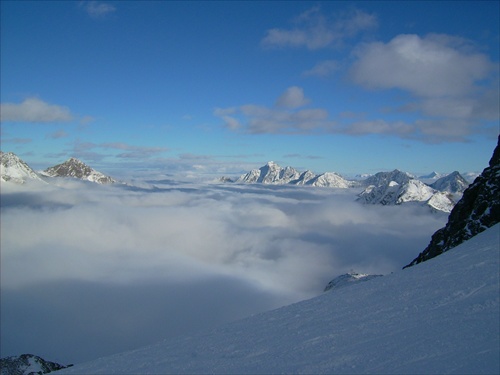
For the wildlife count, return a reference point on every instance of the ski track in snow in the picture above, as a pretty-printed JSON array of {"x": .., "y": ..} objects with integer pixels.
[{"x": 441, "y": 316}]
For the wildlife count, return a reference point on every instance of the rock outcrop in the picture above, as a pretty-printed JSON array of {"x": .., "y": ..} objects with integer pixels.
[{"x": 478, "y": 210}]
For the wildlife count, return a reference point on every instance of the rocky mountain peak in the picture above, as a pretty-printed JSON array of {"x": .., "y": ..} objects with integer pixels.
[
  {"x": 75, "y": 168},
  {"x": 478, "y": 210}
]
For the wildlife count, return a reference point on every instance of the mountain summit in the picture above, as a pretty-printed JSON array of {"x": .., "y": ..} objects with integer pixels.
[
  {"x": 478, "y": 210},
  {"x": 396, "y": 187},
  {"x": 77, "y": 169},
  {"x": 13, "y": 169}
]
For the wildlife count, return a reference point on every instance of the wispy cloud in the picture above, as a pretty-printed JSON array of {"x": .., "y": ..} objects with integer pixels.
[
  {"x": 34, "y": 110},
  {"x": 314, "y": 30},
  {"x": 287, "y": 116},
  {"x": 58, "y": 134},
  {"x": 322, "y": 68},
  {"x": 133, "y": 152},
  {"x": 97, "y": 9},
  {"x": 16, "y": 140}
]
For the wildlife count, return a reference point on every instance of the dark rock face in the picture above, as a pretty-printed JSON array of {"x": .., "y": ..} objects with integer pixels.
[
  {"x": 27, "y": 364},
  {"x": 478, "y": 210}
]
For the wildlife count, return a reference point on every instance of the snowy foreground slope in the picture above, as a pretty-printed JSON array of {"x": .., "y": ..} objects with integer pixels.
[{"x": 440, "y": 316}]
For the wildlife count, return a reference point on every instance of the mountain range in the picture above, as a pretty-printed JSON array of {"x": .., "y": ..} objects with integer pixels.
[
  {"x": 386, "y": 188},
  {"x": 396, "y": 187},
  {"x": 438, "y": 316},
  {"x": 15, "y": 170},
  {"x": 272, "y": 173}
]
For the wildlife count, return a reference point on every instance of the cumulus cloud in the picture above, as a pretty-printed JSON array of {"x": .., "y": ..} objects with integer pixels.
[
  {"x": 314, "y": 30},
  {"x": 34, "y": 110},
  {"x": 293, "y": 97},
  {"x": 97, "y": 9},
  {"x": 451, "y": 85},
  {"x": 432, "y": 66},
  {"x": 109, "y": 268}
]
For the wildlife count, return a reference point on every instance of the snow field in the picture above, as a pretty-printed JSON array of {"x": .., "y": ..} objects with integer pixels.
[{"x": 441, "y": 316}]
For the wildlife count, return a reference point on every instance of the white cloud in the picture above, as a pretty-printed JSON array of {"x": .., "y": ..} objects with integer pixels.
[
  {"x": 97, "y": 9},
  {"x": 34, "y": 110},
  {"x": 433, "y": 66},
  {"x": 452, "y": 87},
  {"x": 314, "y": 30}
]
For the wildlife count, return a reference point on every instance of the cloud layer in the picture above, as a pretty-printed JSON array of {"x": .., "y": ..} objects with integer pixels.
[{"x": 105, "y": 269}]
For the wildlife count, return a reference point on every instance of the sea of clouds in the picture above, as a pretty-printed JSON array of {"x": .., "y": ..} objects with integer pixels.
[{"x": 90, "y": 270}]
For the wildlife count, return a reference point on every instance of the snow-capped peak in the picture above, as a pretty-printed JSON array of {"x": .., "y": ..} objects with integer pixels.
[
  {"x": 15, "y": 170},
  {"x": 273, "y": 173},
  {"x": 396, "y": 187},
  {"x": 452, "y": 183}
]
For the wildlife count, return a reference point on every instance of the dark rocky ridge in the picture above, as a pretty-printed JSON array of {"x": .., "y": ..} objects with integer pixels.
[
  {"x": 27, "y": 364},
  {"x": 478, "y": 210}
]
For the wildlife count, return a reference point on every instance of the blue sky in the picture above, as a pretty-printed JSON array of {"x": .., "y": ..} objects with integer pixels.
[{"x": 222, "y": 87}]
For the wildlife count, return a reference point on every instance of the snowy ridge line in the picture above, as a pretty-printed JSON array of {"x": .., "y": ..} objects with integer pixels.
[{"x": 440, "y": 316}]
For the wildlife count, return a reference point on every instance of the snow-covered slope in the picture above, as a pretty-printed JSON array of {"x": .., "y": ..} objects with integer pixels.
[
  {"x": 27, "y": 364},
  {"x": 77, "y": 169},
  {"x": 396, "y": 187},
  {"x": 272, "y": 173},
  {"x": 452, "y": 183},
  {"x": 440, "y": 316},
  {"x": 15, "y": 170},
  {"x": 330, "y": 179}
]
